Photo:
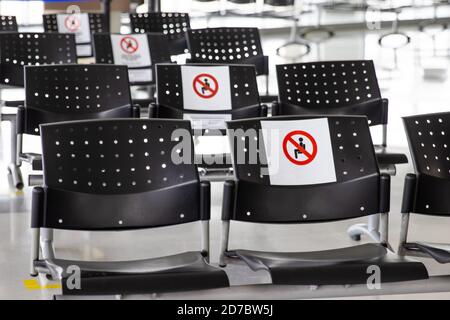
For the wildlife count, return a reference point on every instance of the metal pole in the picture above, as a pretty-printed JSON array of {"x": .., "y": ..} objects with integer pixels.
[
  {"x": 154, "y": 5},
  {"x": 107, "y": 12}
]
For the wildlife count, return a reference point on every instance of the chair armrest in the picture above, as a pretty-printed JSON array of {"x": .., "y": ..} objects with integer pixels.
[
  {"x": 385, "y": 110},
  {"x": 13, "y": 103},
  {"x": 264, "y": 111},
  {"x": 34, "y": 159},
  {"x": 136, "y": 111},
  {"x": 385, "y": 193},
  {"x": 153, "y": 110},
  {"x": 275, "y": 108},
  {"x": 409, "y": 193},
  {"x": 228, "y": 200},
  {"x": 37, "y": 207},
  {"x": 205, "y": 200}
]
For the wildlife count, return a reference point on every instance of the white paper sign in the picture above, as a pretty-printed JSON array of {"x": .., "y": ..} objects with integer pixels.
[
  {"x": 77, "y": 24},
  {"x": 84, "y": 50},
  {"x": 206, "y": 88},
  {"x": 140, "y": 75},
  {"x": 207, "y": 121},
  {"x": 131, "y": 50},
  {"x": 299, "y": 152}
]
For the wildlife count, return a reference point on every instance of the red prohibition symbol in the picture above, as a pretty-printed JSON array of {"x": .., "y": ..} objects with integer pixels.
[
  {"x": 205, "y": 86},
  {"x": 299, "y": 147},
  {"x": 129, "y": 44},
  {"x": 72, "y": 23}
]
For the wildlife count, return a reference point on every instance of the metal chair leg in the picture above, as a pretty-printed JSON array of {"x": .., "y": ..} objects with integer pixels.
[{"x": 370, "y": 229}]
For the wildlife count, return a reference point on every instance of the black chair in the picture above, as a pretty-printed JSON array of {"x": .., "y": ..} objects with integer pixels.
[
  {"x": 63, "y": 93},
  {"x": 47, "y": 48},
  {"x": 172, "y": 24},
  {"x": 8, "y": 24},
  {"x": 180, "y": 96},
  {"x": 152, "y": 48},
  {"x": 229, "y": 46},
  {"x": 73, "y": 23},
  {"x": 141, "y": 191},
  {"x": 425, "y": 191},
  {"x": 259, "y": 195},
  {"x": 338, "y": 87}
]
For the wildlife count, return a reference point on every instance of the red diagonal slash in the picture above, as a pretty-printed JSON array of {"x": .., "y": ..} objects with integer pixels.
[
  {"x": 299, "y": 147},
  {"x": 310, "y": 156},
  {"x": 198, "y": 81}
]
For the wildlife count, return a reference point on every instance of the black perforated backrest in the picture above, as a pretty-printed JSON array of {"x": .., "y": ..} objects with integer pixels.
[
  {"x": 429, "y": 139},
  {"x": 352, "y": 192},
  {"x": 67, "y": 92},
  {"x": 172, "y": 24},
  {"x": 118, "y": 173},
  {"x": 429, "y": 143},
  {"x": 97, "y": 24},
  {"x": 158, "y": 48},
  {"x": 348, "y": 87},
  {"x": 243, "y": 85},
  {"x": 21, "y": 49},
  {"x": 8, "y": 24},
  {"x": 226, "y": 45}
]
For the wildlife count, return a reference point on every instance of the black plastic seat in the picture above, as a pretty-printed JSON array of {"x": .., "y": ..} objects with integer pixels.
[
  {"x": 187, "y": 271},
  {"x": 172, "y": 24},
  {"x": 73, "y": 23},
  {"x": 425, "y": 190},
  {"x": 287, "y": 190},
  {"x": 68, "y": 92},
  {"x": 234, "y": 86},
  {"x": 8, "y": 24},
  {"x": 228, "y": 46},
  {"x": 332, "y": 267},
  {"x": 144, "y": 192},
  {"x": 336, "y": 87}
]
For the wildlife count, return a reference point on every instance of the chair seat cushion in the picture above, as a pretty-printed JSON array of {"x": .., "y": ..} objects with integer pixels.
[
  {"x": 181, "y": 272},
  {"x": 334, "y": 267},
  {"x": 439, "y": 252}
]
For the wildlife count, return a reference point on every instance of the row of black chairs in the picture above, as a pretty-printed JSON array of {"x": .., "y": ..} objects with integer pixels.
[
  {"x": 87, "y": 166},
  {"x": 339, "y": 87},
  {"x": 69, "y": 92},
  {"x": 169, "y": 34}
]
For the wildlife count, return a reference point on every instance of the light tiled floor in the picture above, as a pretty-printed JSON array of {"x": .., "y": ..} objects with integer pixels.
[{"x": 408, "y": 92}]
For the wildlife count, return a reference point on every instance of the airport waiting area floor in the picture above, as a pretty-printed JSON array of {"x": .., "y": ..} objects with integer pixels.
[{"x": 409, "y": 92}]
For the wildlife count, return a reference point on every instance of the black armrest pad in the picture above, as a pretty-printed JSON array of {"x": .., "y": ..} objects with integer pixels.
[
  {"x": 13, "y": 103},
  {"x": 34, "y": 159},
  {"x": 391, "y": 158}
]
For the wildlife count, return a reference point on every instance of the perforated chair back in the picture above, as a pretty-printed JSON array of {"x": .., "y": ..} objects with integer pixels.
[
  {"x": 172, "y": 24},
  {"x": 46, "y": 48},
  {"x": 74, "y": 23},
  {"x": 120, "y": 168},
  {"x": 140, "y": 52},
  {"x": 8, "y": 24},
  {"x": 193, "y": 91},
  {"x": 429, "y": 142},
  {"x": 227, "y": 45},
  {"x": 74, "y": 92},
  {"x": 331, "y": 87},
  {"x": 337, "y": 160}
]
